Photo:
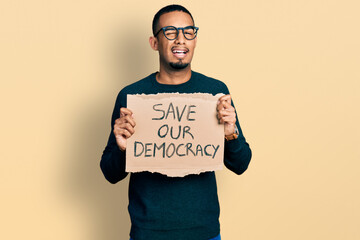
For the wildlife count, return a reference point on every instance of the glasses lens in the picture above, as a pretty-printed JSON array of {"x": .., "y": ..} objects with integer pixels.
[
  {"x": 170, "y": 33},
  {"x": 190, "y": 32}
]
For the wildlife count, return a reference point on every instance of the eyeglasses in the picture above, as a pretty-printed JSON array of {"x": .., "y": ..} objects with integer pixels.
[{"x": 171, "y": 32}]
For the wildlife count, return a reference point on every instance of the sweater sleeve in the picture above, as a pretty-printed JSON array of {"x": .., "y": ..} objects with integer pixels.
[
  {"x": 113, "y": 159},
  {"x": 237, "y": 152}
]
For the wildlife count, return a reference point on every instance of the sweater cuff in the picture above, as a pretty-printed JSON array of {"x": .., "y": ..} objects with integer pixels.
[{"x": 232, "y": 144}]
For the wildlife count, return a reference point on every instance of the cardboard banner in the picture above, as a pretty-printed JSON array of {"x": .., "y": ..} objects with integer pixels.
[{"x": 175, "y": 134}]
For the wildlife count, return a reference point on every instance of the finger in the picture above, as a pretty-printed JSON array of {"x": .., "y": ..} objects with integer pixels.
[
  {"x": 220, "y": 106},
  {"x": 227, "y": 111},
  {"x": 125, "y": 119},
  {"x": 226, "y": 105},
  {"x": 129, "y": 119},
  {"x": 118, "y": 129},
  {"x": 223, "y": 105},
  {"x": 226, "y": 98},
  {"x": 125, "y": 111},
  {"x": 228, "y": 120},
  {"x": 128, "y": 127},
  {"x": 224, "y": 113},
  {"x": 119, "y": 121},
  {"x": 120, "y": 132}
]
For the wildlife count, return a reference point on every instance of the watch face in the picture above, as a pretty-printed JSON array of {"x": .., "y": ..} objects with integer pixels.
[{"x": 236, "y": 130}]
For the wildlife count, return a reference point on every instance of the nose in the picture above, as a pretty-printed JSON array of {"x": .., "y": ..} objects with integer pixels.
[{"x": 180, "y": 39}]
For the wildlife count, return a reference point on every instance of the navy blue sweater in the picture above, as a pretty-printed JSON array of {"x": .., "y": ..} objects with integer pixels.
[{"x": 161, "y": 207}]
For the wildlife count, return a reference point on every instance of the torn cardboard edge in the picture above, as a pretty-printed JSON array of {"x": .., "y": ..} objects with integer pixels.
[
  {"x": 197, "y": 95},
  {"x": 178, "y": 172}
]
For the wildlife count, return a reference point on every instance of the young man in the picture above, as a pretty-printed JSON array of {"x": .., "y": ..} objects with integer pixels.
[{"x": 161, "y": 207}]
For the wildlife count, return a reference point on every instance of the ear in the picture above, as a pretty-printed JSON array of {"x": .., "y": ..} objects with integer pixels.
[{"x": 153, "y": 43}]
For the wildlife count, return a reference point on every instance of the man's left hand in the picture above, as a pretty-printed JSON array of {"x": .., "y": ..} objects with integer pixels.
[{"x": 226, "y": 114}]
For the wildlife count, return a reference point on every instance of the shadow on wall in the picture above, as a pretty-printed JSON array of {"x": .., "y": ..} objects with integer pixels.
[{"x": 104, "y": 205}]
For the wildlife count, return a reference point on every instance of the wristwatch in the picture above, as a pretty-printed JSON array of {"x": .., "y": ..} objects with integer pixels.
[{"x": 234, "y": 135}]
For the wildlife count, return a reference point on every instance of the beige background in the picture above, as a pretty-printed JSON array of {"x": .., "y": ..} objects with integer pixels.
[{"x": 292, "y": 68}]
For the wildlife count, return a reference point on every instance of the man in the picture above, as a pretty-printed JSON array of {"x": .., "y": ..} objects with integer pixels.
[{"x": 161, "y": 207}]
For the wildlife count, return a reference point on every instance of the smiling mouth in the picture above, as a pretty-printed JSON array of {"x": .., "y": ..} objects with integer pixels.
[{"x": 180, "y": 53}]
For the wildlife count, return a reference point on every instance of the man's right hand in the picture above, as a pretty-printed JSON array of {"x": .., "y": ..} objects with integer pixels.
[{"x": 124, "y": 127}]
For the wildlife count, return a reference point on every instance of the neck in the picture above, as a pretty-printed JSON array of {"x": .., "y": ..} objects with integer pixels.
[{"x": 173, "y": 77}]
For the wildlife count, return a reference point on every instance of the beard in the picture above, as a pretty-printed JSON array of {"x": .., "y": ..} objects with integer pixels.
[{"x": 179, "y": 65}]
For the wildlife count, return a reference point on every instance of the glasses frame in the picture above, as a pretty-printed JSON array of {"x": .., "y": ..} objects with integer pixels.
[{"x": 177, "y": 31}]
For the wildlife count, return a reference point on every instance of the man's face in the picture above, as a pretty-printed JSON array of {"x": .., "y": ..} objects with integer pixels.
[{"x": 175, "y": 54}]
